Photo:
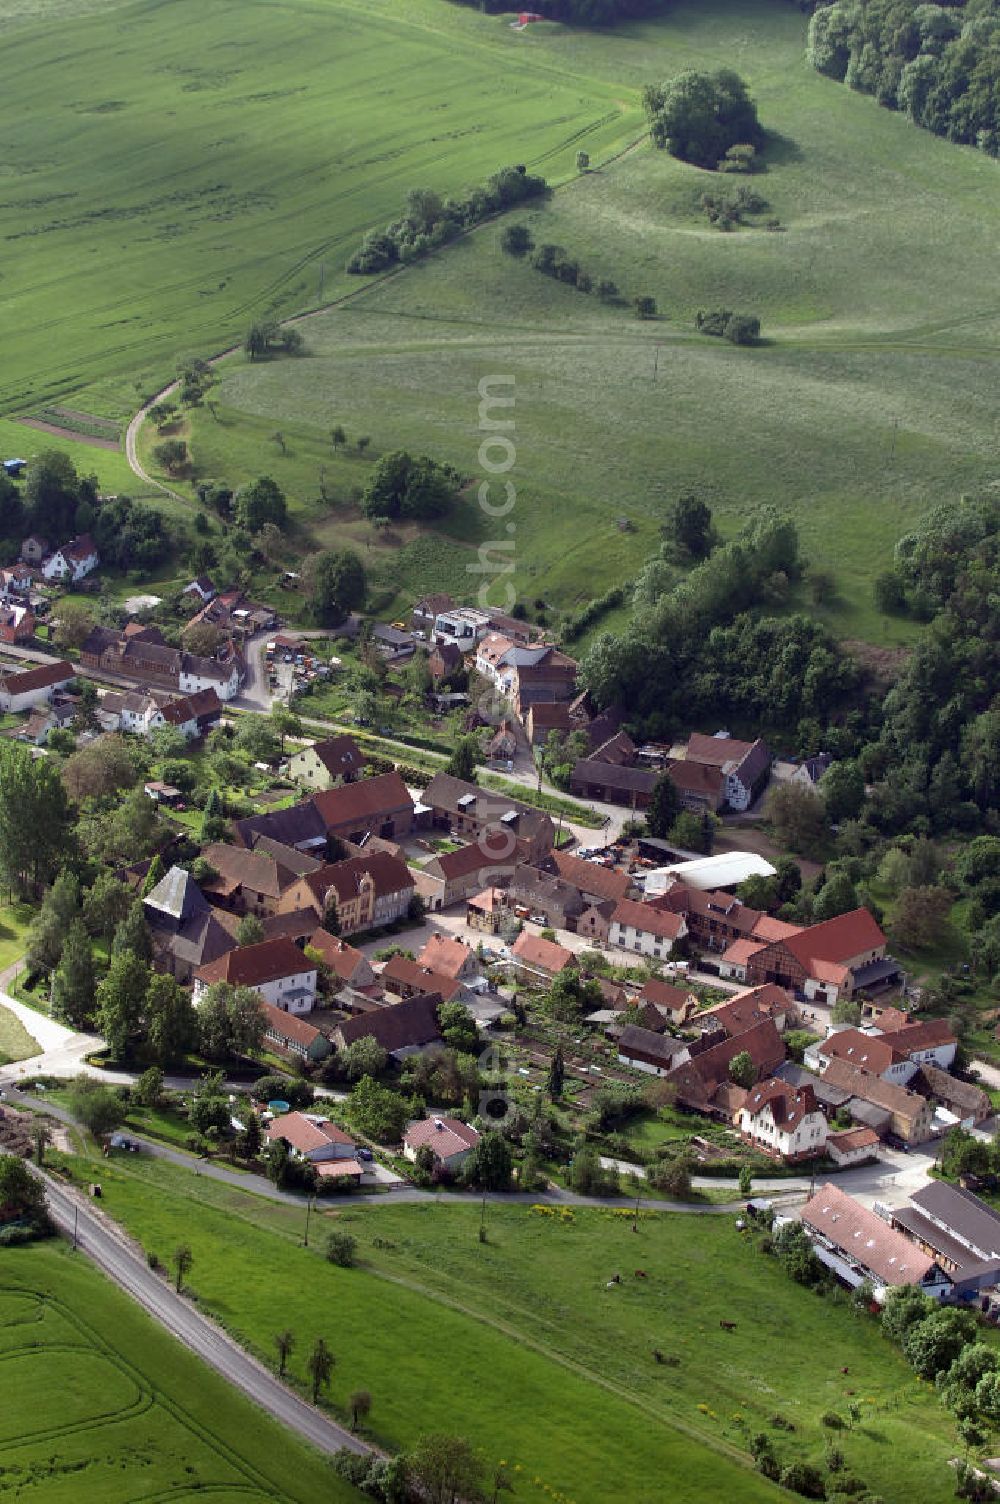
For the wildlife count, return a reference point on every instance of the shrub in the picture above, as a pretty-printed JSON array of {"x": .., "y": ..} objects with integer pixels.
[
  {"x": 802, "y": 1478},
  {"x": 516, "y": 240},
  {"x": 341, "y": 1248},
  {"x": 832, "y": 1420}
]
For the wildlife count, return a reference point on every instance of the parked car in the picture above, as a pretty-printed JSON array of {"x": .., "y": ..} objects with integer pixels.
[{"x": 366, "y": 1155}]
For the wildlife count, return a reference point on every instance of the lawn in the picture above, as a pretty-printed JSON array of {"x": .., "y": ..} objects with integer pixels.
[
  {"x": 100, "y": 1404},
  {"x": 171, "y": 172},
  {"x": 521, "y": 1346},
  {"x": 15, "y": 921},
  {"x": 15, "y": 1041}
]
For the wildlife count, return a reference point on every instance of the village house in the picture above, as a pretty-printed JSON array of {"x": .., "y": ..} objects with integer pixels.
[
  {"x": 234, "y": 615},
  {"x": 700, "y": 786},
  {"x": 448, "y": 1139},
  {"x": 852, "y": 1146},
  {"x": 677, "y": 1004},
  {"x": 73, "y": 561},
  {"x": 371, "y": 806},
  {"x": 857, "y": 1245},
  {"x": 487, "y": 911},
  {"x": 744, "y": 1009},
  {"x": 443, "y": 660},
  {"x": 548, "y": 676},
  {"x": 141, "y": 712},
  {"x": 402, "y": 1029},
  {"x": 293, "y": 1036},
  {"x": 969, "y": 1103},
  {"x": 545, "y": 717},
  {"x": 594, "y": 923},
  {"x": 350, "y": 967},
  {"x": 651, "y": 1051},
  {"x": 328, "y": 764},
  {"x": 828, "y": 961},
  {"x": 502, "y": 745},
  {"x": 537, "y": 961},
  {"x": 745, "y": 766},
  {"x": 34, "y": 549},
  {"x": 545, "y": 900},
  {"x": 900, "y": 1111},
  {"x": 26, "y": 688},
  {"x": 870, "y": 1052},
  {"x": 454, "y": 876},
  {"x": 247, "y": 882},
  {"x": 276, "y": 969},
  {"x": 301, "y": 827},
  {"x": 497, "y": 821},
  {"x": 588, "y": 878},
  {"x": 16, "y": 580},
  {"x": 462, "y": 626},
  {"x": 640, "y": 927},
  {"x": 144, "y": 656},
  {"x": 782, "y": 1121},
  {"x": 427, "y": 609},
  {"x": 17, "y": 624},
  {"x": 368, "y": 892},
  {"x": 330, "y": 1151},
  {"x": 186, "y": 931},
  {"x": 404, "y": 978},
  {"x": 202, "y": 587},
  {"x": 451, "y": 957}
]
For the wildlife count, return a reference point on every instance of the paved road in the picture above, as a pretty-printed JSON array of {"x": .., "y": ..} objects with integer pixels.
[{"x": 111, "y": 1252}]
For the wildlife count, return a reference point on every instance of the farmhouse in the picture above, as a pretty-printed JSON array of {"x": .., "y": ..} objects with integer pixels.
[
  {"x": 640, "y": 927},
  {"x": 371, "y": 806},
  {"x": 276, "y": 969},
  {"x": 293, "y": 1036},
  {"x": 970, "y": 1103},
  {"x": 301, "y": 827},
  {"x": 451, "y": 957},
  {"x": 33, "y": 686},
  {"x": 700, "y": 786},
  {"x": 869, "y": 1052},
  {"x": 783, "y": 1121},
  {"x": 857, "y": 1245},
  {"x": 633, "y": 787},
  {"x": 493, "y": 819},
  {"x": 699, "y": 1080},
  {"x": 587, "y": 877},
  {"x": 744, "y": 1009},
  {"x": 367, "y": 891},
  {"x": 144, "y": 657},
  {"x": 448, "y": 1139},
  {"x": 828, "y": 961}
]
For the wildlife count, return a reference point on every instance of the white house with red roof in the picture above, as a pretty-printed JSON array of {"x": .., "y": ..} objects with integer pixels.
[
  {"x": 640, "y": 927},
  {"x": 828, "y": 961},
  {"x": 449, "y": 1140},
  {"x": 783, "y": 1121},
  {"x": 330, "y": 1151},
  {"x": 277, "y": 969},
  {"x": 73, "y": 561}
]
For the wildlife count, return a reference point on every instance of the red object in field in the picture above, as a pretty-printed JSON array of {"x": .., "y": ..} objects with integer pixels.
[{"x": 529, "y": 15}]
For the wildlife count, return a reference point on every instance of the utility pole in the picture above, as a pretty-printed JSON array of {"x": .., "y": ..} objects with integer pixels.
[
  {"x": 656, "y": 362},
  {"x": 76, "y": 1225},
  {"x": 309, "y": 1207}
]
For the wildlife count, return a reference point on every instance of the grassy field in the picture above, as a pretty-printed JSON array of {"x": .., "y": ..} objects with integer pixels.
[
  {"x": 171, "y": 171},
  {"x": 100, "y": 1404},
  {"x": 520, "y": 1346},
  {"x": 870, "y": 400},
  {"x": 15, "y": 1041}
]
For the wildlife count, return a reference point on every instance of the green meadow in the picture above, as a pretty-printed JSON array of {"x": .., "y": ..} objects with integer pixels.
[
  {"x": 99, "y": 1404},
  {"x": 520, "y": 1345}
]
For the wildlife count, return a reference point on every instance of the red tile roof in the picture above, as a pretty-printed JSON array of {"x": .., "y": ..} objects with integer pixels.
[
  {"x": 445, "y": 1137},
  {"x": 922, "y": 1034},
  {"x": 367, "y": 800},
  {"x": 445, "y": 954},
  {"x": 544, "y": 955},
  {"x": 287, "y": 1026},
  {"x": 43, "y": 677},
  {"x": 303, "y": 1134},
  {"x": 852, "y": 1139},
  {"x": 867, "y": 1051},
  {"x": 865, "y": 1238},
  {"x": 836, "y": 940},
  {"x": 602, "y": 882},
  {"x": 788, "y": 1104},
  {"x": 663, "y": 995},
  {"x": 745, "y": 1009},
  {"x": 642, "y": 916},
  {"x": 400, "y": 971},
  {"x": 253, "y": 965},
  {"x": 388, "y": 874},
  {"x": 342, "y": 959}
]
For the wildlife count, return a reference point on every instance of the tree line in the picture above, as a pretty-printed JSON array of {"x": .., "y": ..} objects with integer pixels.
[{"x": 938, "y": 64}]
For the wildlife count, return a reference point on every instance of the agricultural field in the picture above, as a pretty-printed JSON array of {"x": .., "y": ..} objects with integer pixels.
[
  {"x": 99, "y": 1404},
  {"x": 521, "y": 1345},
  {"x": 171, "y": 171}
]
